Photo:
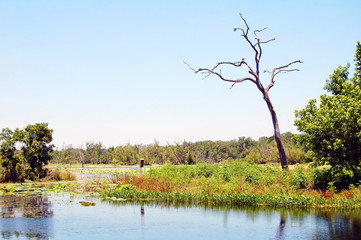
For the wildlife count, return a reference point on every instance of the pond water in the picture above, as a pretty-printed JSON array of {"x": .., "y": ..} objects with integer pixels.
[{"x": 63, "y": 217}]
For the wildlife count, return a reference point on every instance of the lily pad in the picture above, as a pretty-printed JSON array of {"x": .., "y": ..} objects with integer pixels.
[{"x": 87, "y": 204}]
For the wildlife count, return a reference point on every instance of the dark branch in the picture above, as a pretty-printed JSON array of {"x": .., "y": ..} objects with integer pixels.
[
  {"x": 254, "y": 77},
  {"x": 289, "y": 64},
  {"x": 219, "y": 74},
  {"x": 273, "y": 39},
  {"x": 245, "y": 22},
  {"x": 257, "y": 31},
  {"x": 287, "y": 71},
  {"x": 281, "y": 69}
]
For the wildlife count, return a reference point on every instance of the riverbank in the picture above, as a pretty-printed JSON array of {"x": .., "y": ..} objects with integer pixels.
[
  {"x": 234, "y": 183},
  {"x": 226, "y": 184}
]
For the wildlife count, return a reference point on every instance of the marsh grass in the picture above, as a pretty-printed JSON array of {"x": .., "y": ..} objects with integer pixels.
[
  {"x": 227, "y": 184},
  {"x": 234, "y": 183},
  {"x": 58, "y": 175}
]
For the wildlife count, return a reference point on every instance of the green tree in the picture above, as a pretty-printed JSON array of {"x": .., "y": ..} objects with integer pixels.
[
  {"x": 33, "y": 154},
  {"x": 10, "y": 161},
  {"x": 93, "y": 153},
  {"x": 36, "y": 147},
  {"x": 332, "y": 130}
]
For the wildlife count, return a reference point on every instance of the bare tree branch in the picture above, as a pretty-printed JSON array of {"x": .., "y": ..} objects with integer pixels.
[
  {"x": 289, "y": 64},
  {"x": 281, "y": 69},
  {"x": 255, "y": 78},
  {"x": 195, "y": 71},
  {"x": 245, "y": 22},
  {"x": 257, "y": 31},
  {"x": 287, "y": 70},
  {"x": 270, "y": 40},
  {"x": 219, "y": 74}
]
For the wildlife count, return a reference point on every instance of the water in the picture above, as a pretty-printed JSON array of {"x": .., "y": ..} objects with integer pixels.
[
  {"x": 107, "y": 175},
  {"x": 63, "y": 217}
]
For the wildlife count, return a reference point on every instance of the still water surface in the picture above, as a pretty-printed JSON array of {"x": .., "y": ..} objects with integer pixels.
[{"x": 63, "y": 217}]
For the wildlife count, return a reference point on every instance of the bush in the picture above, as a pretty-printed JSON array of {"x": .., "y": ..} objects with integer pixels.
[
  {"x": 337, "y": 180},
  {"x": 299, "y": 178},
  {"x": 55, "y": 175},
  {"x": 66, "y": 176}
]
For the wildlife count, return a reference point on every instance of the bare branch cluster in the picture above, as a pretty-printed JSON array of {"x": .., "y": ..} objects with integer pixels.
[
  {"x": 253, "y": 71},
  {"x": 254, "y": 77}
]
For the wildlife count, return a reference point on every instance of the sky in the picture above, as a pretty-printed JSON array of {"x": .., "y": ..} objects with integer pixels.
[{"x": 113, "y": 72}]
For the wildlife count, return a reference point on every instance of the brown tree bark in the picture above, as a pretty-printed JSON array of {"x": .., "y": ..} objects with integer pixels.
[
  {"x": 255, "y": 78},
  {"x": 277, "y": 133}
]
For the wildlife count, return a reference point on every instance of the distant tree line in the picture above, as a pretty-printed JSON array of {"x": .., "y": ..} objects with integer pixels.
[{"x": 261, "y": 151}]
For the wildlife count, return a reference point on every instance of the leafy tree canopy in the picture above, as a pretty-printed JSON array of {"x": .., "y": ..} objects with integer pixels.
[
  {"x": 33, "y": 152},
  {"x": 332, "y": 129}
]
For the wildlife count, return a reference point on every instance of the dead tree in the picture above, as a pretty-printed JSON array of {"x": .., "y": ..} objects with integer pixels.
[
  {"x": 254, "y": 77},
  {"x": 81, "y": 156}
]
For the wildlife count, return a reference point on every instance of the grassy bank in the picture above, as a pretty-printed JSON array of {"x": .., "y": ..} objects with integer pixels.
[
  {"x": 227, "y": 184},
  {"x": 234, "y": 183}
]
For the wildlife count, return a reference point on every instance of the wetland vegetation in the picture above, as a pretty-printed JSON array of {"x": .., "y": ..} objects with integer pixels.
[{"x": 324, "y": 171}]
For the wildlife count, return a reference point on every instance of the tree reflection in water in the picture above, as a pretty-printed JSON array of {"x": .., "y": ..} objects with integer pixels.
[
  {"x": 341, "y": 225},
  {"x": 32, "y": 218},
  {"x": 28, "y": 216},
  {"x": 329, "y": 224}
]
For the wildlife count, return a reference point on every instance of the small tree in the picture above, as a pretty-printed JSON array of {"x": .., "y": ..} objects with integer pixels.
[
  {"x": 34, "y": 152},
  {"x": 332, "y": 130},
  {"x": 10, "y": 161},
  {"x": 254, "y": 77},
  {"x": 36, "y": 147}
]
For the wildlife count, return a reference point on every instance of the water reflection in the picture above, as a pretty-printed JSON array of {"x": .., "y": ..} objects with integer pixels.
[
  {"x": 142, "y": 212},
  {"x": 339, "y": 225},
  {"x": 279, "y": 233},
  {"x": 25, "y": 216},
  {"x": 319, "y": 224},
  {"x": 272, "y": 223},
  {"x": 65, "y": 218}
]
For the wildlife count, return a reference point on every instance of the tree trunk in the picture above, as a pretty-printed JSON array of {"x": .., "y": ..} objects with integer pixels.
[
  {"x": 255, "y": 78},
  {"x": 277, "y": 133}
]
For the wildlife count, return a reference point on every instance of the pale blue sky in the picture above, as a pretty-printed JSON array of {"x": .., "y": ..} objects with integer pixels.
[{"x": 112, "y": 71}]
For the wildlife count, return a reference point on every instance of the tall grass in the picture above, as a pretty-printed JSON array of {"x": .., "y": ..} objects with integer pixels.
[{"x": 233, "y": 183}]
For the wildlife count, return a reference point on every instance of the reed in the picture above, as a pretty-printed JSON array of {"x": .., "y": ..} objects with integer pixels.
[{"x": 234, "y": 184}]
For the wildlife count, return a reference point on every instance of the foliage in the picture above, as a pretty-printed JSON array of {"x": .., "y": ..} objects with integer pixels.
[
  {"x": 265, "y": 150},
  {"x": 225, "y": 185},
  {"x": 96, "y": 153},
  {"x": 11, "y": 166},
  {"x": 234, "y": 199},
  {"x": 228, "y": 177},
  {"x": 55, "y": 175},
  {"x": 332, "y": 130},
  {"x": 261, "y": 151},
  {"x": 33, "y": 154},
  {"x": 233, "y": 184},
  {"x": 127, "y": 155},
  {"x": 36, "y": 147},
  {"x": 328, "y": 179}
]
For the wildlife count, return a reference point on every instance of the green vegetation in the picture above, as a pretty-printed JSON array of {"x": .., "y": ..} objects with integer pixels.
[
  {"x": 237, "y": 172},
  {"x": 231, "y": 183},
  {"x": 262, "y": 151},
  {"x": 27, "y": 162},
  {"x": 332, "y": 130}
]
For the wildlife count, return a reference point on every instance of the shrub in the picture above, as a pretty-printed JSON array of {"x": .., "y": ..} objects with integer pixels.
[
  {"x": 66, "y": 176},
  {"x": 299, "y": 178},
  {"x": 337, "y": 180},
  {"x": 55, "y": 175}
]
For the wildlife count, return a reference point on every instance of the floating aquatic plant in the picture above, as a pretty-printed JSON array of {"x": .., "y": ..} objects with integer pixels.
[{"x": 87, "y": 204}]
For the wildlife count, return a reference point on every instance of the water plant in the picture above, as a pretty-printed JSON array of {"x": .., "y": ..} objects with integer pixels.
[{"x": 232, "y": 183}]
